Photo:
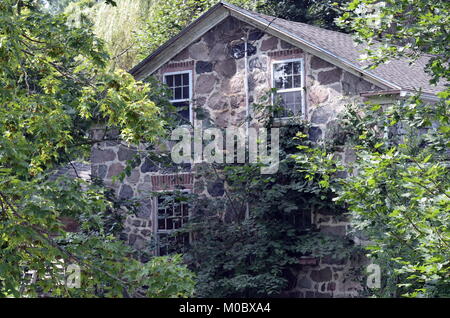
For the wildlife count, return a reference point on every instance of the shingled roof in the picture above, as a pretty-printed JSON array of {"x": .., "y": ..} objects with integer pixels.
[{"x": 335, "y": 47}]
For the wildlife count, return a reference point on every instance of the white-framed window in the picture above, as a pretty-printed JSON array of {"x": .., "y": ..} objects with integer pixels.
[
  {"x": 180, "y": 86},
  {"x": 289, "y": 82},
  {"x": 171, "y": 213}
]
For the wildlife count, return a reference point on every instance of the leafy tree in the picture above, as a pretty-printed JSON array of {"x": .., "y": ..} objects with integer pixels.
[
  {"x": 54, "y": 87},
  {"x": 116, "y": 25},
  {"x": 398, "y": 189},
  {"x": 321, "y": 13}
]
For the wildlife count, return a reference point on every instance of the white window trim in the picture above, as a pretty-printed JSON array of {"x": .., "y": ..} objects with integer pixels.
[
  {"x": 155, "y": 223},
  {"x": 191, "y": 114},
  {"x": 300, "y": 89}
]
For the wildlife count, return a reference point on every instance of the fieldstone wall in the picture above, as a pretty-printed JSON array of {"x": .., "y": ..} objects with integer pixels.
[{"x": 218, "y": 90}]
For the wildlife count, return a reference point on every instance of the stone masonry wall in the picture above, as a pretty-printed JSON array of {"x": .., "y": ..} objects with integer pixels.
[{"x": 218, "y": 89}]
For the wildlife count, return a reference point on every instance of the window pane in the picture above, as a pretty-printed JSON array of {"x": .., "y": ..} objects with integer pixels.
[
  {"x": 161, "y": 224},
  {"x": 186, "y": 79},
  {"x": 178, "y": 80},
  {"x": 297, "y": 67},
  {"x": 169, "y": 80},
  {"x": 279, "y": 82},
  {"x": 297, "y": 81},
  {"x": 287, "y": 67},
  {"x": 291, "y": 103},
  {"x": 278, "y": 71},
  {"x": 178, "y": 92},
  {"x": 185, "y": 92},
  {"x": 288, "y": 82},
  {"x": 183, "y": 109}
]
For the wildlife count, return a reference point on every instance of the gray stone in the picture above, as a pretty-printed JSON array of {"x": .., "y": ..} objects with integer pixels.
[
  {"x": 304, "y": 282},
  {"x": 237, "y": 101},
  {"x": 125, "y": 153},
  {"x": 255, "y": 35},
  {"x": 144, "y": 188},
  {"x": 183, "y": 55},
  {"x": 144, "y": 208},
  {"x": 115, "y": 169},
  {"x": 236, "y": 85},
  {"x": 139, "y": 243},
  {"x": 285, "y": 45},
  {"x": 134, "y": 176},
  {"x": 216, "y": 189},
  {"x": 257, "y": 63},
  {"x": 101, "y": 156},
  {"x": 148, "y": 166},
  {"x": 218, "y": 102},
  {"x": 102, "y": 169},
  {"x": 226, "y": 68},
  {"x": 328, "y": 77},
  {"x": 315, "y": 133},
  {"x": 321, "y": 115},
  {"x": 210, "y": 39},
  {"x": 219, "y": 51},
  {"x": 318, "y": 94},
  {"x": 205, "y": 84},
  {"x": 132, "y": 238},
  {"x": 221, "y": 119},
  {"x": 203, "y": 67},
  {"x": 322, "y": 275},
  {"x": 146, "y": 232},
  {"x": 126, "y": 192},
  {"x": 136, "y": 222},
  {"x": 269, "y": 44},
  {"x": 198, "y": 51},
  {"x": 318, "y": 63}
]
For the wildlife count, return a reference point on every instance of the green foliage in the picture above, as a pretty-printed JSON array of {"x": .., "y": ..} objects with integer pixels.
[
  {"x": 54, "y": 88},
  {"x": 321, "y": 13},
  {"x": 398, "y": 192},
  {"x": 235, "y": 255},
  {"x": 409, "y": 28}
]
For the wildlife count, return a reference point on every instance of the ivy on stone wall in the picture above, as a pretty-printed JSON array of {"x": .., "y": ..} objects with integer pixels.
[{"x": 259, "y": 255}]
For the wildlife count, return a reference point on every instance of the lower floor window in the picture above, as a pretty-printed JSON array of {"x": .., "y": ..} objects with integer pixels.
[{"x": 172, "y": 214}]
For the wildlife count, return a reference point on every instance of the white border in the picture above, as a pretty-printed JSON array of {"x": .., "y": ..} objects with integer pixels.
[
  {"x": 300, "y": 89},
  {"x": 191, "y": 84},
  {"x": 154, "y": 217}
]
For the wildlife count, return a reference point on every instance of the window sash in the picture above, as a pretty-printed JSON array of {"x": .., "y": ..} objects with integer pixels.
[
  {"x": 302, "y": 108},
  {"x": 180, "y": 86},
  {"x": 174, "y": 100},
  {"x": 170, "y": 213}
]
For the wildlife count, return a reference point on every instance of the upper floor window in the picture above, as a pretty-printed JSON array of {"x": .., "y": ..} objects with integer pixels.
[
  {"x": 180, "y": 85},
  {"x": 288, "y": 79}
]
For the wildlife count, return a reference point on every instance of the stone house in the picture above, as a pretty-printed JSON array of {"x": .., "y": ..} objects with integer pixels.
[{"x": 227, "y": 60}]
